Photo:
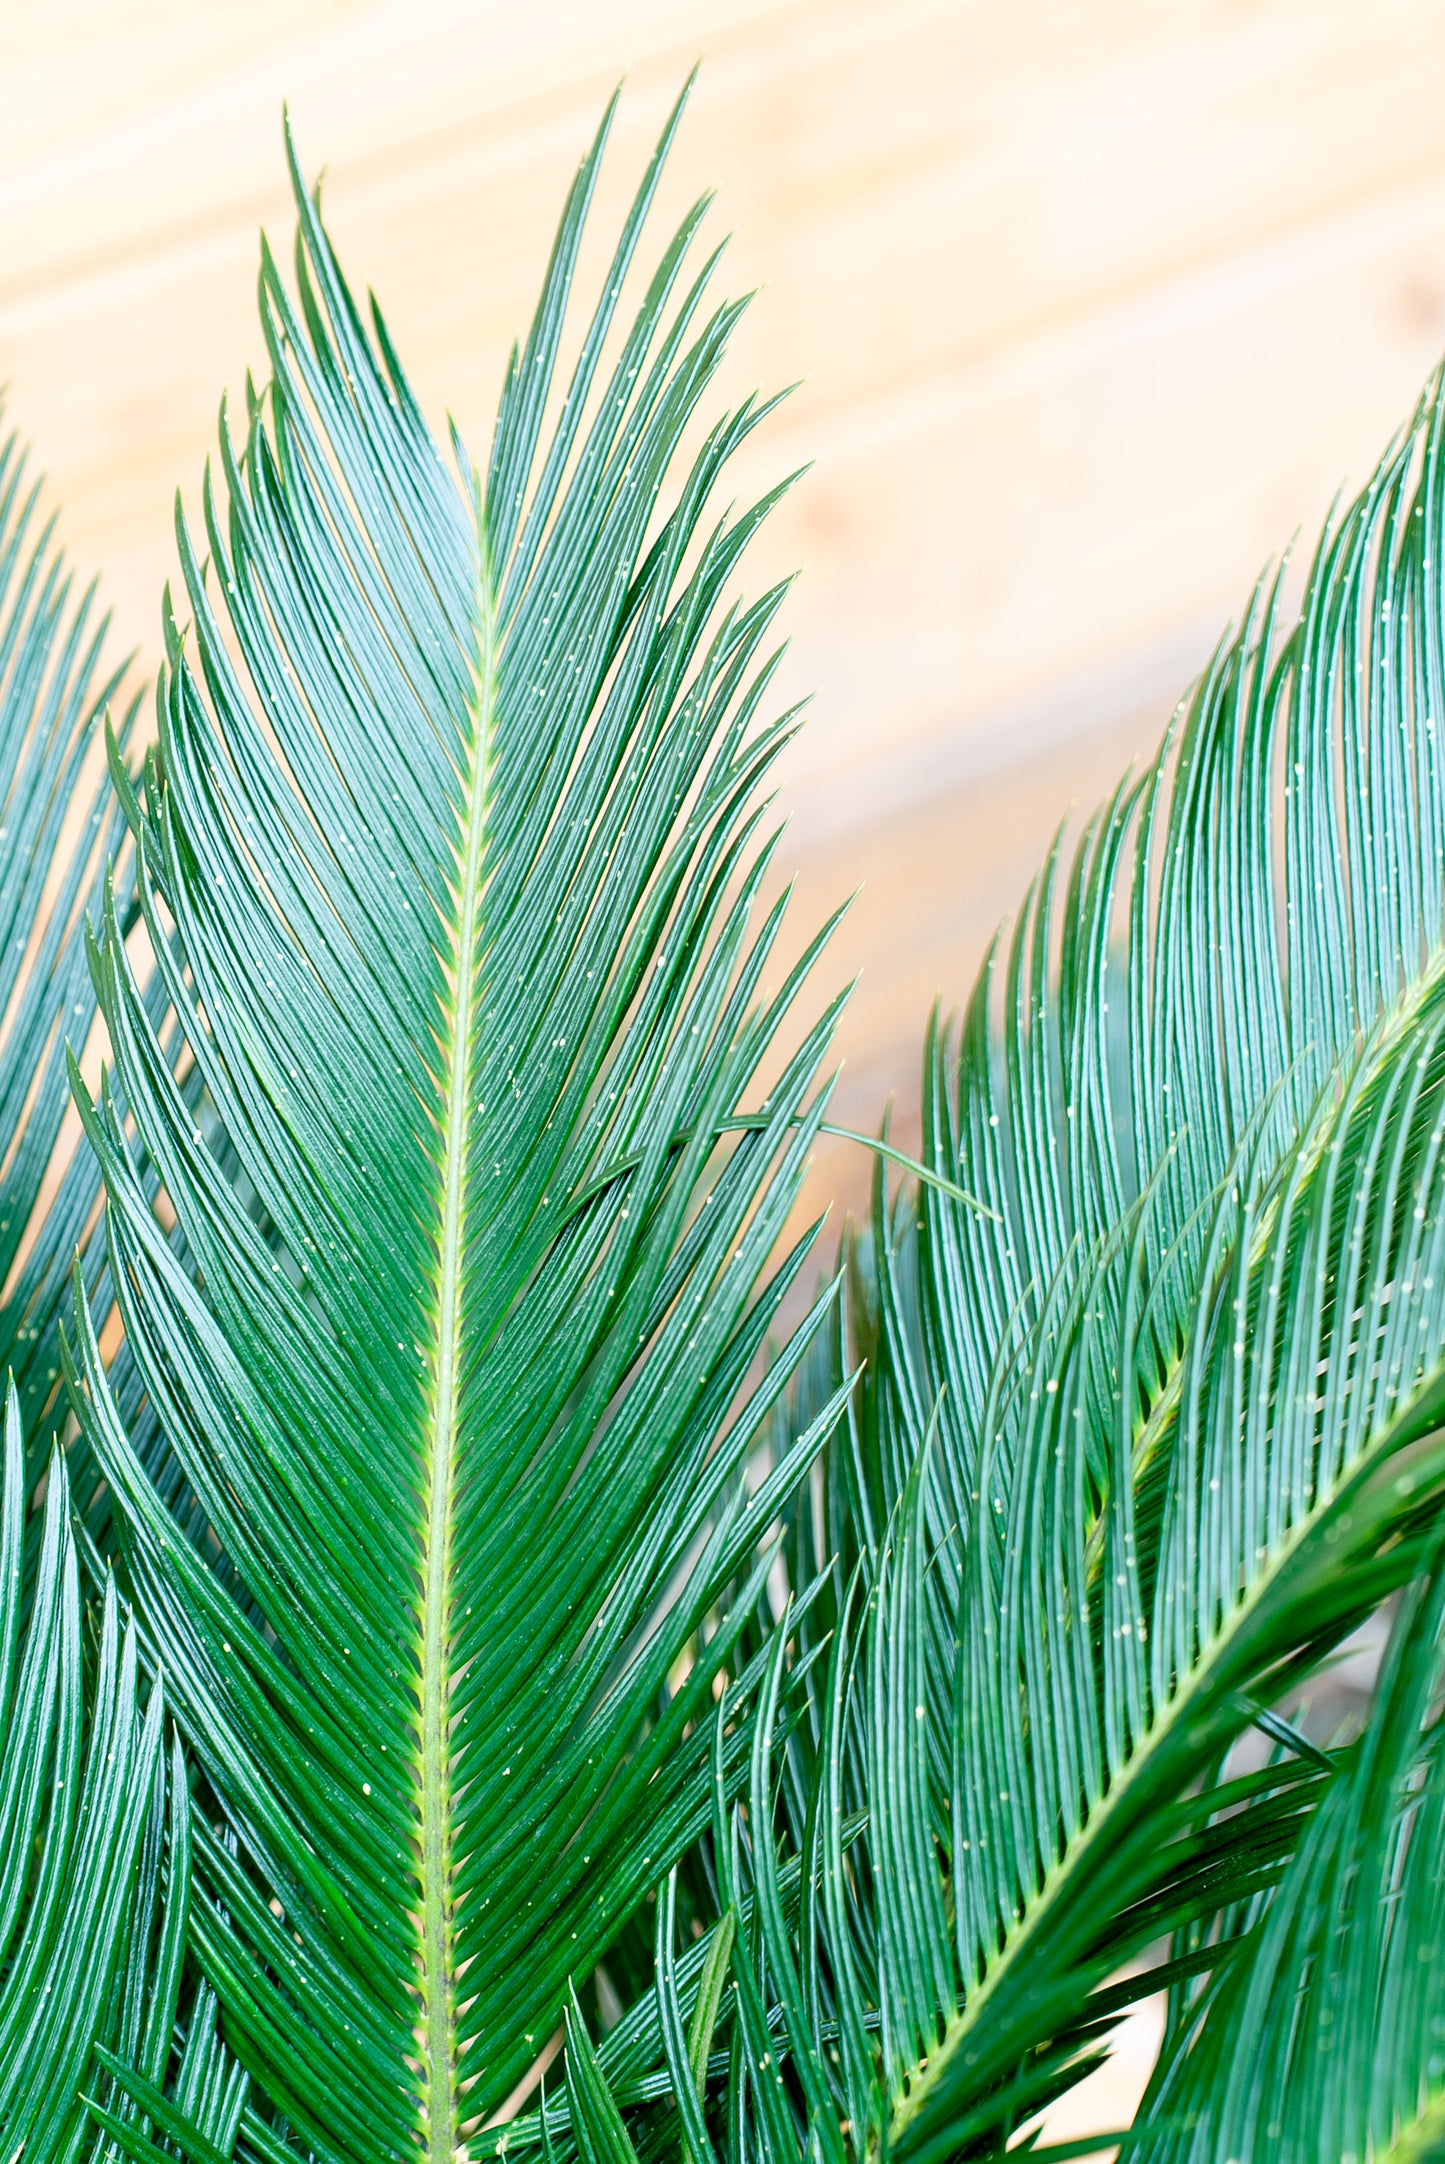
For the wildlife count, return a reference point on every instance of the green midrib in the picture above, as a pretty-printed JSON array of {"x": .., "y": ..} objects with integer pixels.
[{"x": 435, "y": 1959}]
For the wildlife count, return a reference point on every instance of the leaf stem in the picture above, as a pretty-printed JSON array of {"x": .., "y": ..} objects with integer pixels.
[{"x": 436, "y": 1955}]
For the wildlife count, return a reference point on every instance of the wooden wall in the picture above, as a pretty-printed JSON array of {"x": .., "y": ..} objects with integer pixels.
[{"x": 1096, "y": 303}]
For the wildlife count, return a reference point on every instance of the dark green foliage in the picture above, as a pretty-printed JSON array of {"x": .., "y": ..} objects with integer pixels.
[{"x": 1183, "y": 1383}]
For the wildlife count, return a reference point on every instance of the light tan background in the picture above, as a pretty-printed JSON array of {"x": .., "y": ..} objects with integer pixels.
[{"x": 1096, "y": 304}]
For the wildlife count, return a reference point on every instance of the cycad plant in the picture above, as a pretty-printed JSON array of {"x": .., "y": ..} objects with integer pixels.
[{"x": 510, "y": 1654}]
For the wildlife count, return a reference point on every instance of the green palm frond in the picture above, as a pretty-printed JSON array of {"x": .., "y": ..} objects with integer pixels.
[
  {"x": 1323, "y": 2038},
  {"x": 88, "y": 1866},
  {"x": 57, "y": 824},
  {"x": 1172, "y": 1384},
  {"x": 1132, "y": 1453},
  {"x": 480, "y": 1142}
]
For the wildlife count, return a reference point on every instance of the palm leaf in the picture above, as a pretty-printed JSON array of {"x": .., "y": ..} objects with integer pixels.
[
  {"x": 1170, "y": 1380},
  {"x": 1133, "y": 1451},
  {"x": 480, "y": 1146},
  {"x": 84, "y": 1847},
  {"x": 602, "y": 2136}
]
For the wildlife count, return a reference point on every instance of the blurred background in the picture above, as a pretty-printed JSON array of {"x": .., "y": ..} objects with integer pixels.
[{"x": 1095, "y": 305}]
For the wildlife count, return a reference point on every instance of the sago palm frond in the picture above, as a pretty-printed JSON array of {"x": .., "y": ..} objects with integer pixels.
[
  {"x": 938, "y": 1973},
  {"x": 446, "y": 1151},
  {"x": 1135, "y": 1446},
  {"x": 1176, "y": 1380},
  {"x": 92, "y": 1902},
  {"x": 84, "y": 1847},
  {"x": 479, "y": 1146}
]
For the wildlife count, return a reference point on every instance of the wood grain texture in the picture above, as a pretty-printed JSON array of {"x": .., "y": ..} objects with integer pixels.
[{"x": 1096, "y": 303}]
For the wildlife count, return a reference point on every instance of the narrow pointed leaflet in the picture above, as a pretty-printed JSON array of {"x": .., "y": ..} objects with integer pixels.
[{"x": 481, "y": 1138}]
